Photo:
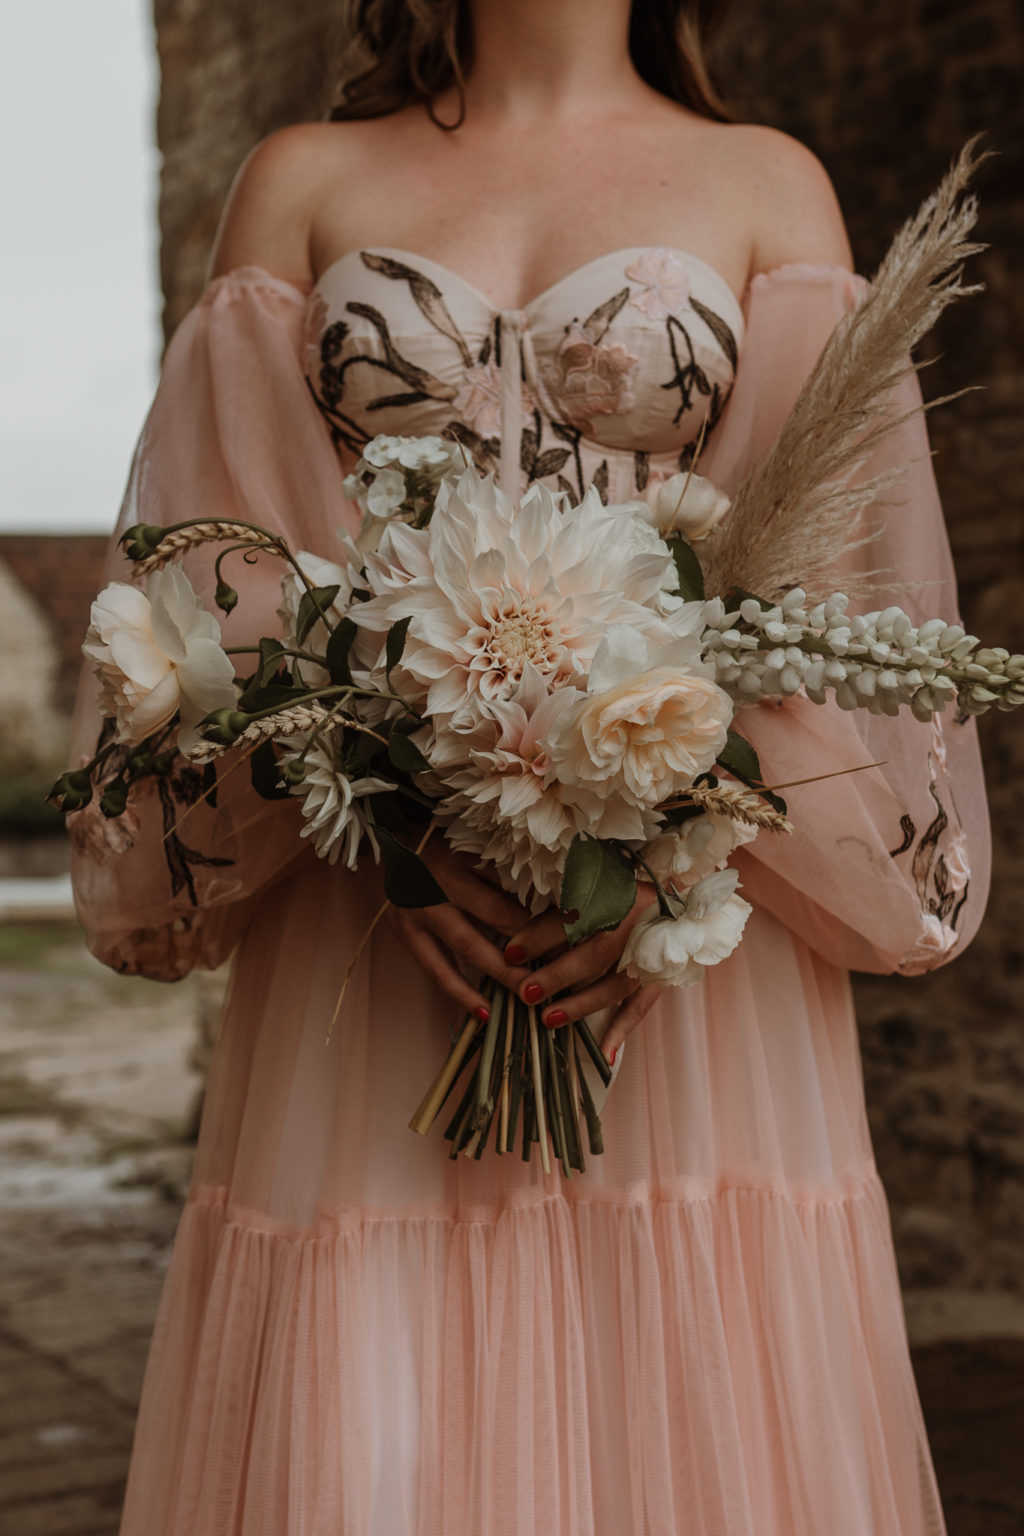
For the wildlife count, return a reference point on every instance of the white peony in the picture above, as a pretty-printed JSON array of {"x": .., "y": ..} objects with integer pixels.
[
  {"x": 157, "y": 652},
  {"x": 706, "y": 927},
  {"x": 320, "y": 573},
  {"x": 686, "y": 853},
  {"x": 330, "y": 801},
  {"x": 503, "y": 801},
  {"x": 652, "y": 721},
  {"x": 686, "y": 504},
  {"x": 492, "y": 586}
]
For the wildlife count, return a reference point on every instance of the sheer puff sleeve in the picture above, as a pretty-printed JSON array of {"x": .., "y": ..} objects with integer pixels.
[
  {"x": 232, "y": 434},
  {"x": 888, "y": 868}
]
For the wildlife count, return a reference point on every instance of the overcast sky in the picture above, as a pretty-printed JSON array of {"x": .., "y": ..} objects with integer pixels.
[{"x": 79, "y": 304}]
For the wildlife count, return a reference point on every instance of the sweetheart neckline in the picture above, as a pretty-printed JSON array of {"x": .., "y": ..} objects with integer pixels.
[{"x": 552, "y": 288}]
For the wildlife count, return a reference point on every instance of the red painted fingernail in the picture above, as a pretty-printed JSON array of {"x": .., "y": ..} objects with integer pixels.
[
  {"x": 556, "y": 1017},
  {"x": 611, "y": 1059},
  {"x": 482, "y": 1013},
  {"x": 533, "y": 993},
  {"x": 515, "y": 954}
]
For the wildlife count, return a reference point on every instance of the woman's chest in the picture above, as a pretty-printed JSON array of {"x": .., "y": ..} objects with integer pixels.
[{"x": 629, "y": 355}]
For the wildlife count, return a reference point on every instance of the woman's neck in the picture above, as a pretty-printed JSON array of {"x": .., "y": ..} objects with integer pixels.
[{"x": 538, "y": 59}]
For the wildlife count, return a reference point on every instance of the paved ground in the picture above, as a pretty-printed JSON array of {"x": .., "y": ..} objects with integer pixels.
[{"x": 96, "y": 1098}]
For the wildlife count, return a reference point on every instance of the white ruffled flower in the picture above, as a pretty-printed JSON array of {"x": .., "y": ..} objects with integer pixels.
[
  {"x": 685, "y": 503},
  {"x": 687, "y": 853},
  {"x": 330, "y": 801},
  {"x": 492, "y": 586},
  {"x": 652, "y": 721},
  {"x": 157, "y": 652},
  {"x": 706, "y": 926},
  {"x": 505, "y": 804},
  {"x": 320, "y": 573}
]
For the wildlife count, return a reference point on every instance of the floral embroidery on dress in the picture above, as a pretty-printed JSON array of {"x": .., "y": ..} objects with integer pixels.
[
  {"x": 315, "y": 322},
  {"x": 940, "y": 868},
  {"x": 478, "y": 401},
  {"x": 665, "y": 284},
  {"x": 591, "y": 375},
  {"x": 588, "y": 378}
]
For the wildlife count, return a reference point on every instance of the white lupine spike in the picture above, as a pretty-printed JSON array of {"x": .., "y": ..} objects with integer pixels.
[
  {"x": 931, "y": 629},
  {"x": 789, "y": 680},
  {"x": 865, "y": 683},
  {"x": 793, "y": 600},
  {"x": 846, "y": 698},
  {"x": 750, "y": 611}
]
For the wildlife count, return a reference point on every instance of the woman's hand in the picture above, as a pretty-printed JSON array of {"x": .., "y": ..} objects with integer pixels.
[
  {"x": 434, "y": 935},
  {"x": 587, "y": 973}
]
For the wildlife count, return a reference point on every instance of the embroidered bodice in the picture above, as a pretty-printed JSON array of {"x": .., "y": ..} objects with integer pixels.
[{"x": 605, "y": 378}]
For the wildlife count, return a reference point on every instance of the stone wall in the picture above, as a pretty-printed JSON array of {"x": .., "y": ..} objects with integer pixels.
[{"x": 885, "y": 94}]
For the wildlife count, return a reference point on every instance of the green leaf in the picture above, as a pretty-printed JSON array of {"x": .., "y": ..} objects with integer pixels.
[
  {"x": 407, "y": 880},
  {"x": 775, "y": 801},
  {"x": 598, "y": 885},
  {"x": 339, "y": 647},
  {"x": 271, "y": 652},
  {"x": 263, "y": 766},
  {"x": 691, "y": 577},
  {"x": 405, "y": 755},
  {"x": 395, "y": 644},
  {"x": 273, "y": 696},
  {"x": 739, "y": 758},
  {"x": 313, "y": 605}
]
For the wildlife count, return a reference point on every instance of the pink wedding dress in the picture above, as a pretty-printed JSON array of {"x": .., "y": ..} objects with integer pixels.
[{"x": 702, "y": 1335}]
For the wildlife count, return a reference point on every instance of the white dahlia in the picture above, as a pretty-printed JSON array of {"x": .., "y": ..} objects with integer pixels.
[
  {"x": 503, "y": 801},
  {"x": 492, "y": 586}
]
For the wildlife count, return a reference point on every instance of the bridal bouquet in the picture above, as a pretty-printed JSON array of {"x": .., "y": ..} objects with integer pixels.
[{"x": 548, "y": 686}]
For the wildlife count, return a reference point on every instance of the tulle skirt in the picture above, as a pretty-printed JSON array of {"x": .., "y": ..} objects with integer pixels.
[{"x": 701, "y": 1335}]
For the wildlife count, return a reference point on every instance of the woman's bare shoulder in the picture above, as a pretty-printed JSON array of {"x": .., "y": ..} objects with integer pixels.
[
  {"x": 269, "y": 212},
  {"x": 791, "y": 209},
  {"x": 794, "y": 212}
]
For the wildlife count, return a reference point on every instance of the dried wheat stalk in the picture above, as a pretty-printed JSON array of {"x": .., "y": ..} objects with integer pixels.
[
  {"x": 180, "y": 542},
  {"x": 298, "y": 720},
  {"x": 739, "y": 805},
  {"x": 801, "y": 506}
]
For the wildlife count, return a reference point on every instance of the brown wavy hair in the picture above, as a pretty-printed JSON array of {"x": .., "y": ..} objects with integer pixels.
[{"x": 405, "y": 51}]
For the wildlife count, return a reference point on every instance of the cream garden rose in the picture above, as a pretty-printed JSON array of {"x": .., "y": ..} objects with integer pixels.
[
  {"x": 705, "y": 927},
  {"x": 687, "y": 504},
  {"x": 157, "y": 652},
  {"x": 651, "y": 722},
  {"x": 685, "y": 854}
]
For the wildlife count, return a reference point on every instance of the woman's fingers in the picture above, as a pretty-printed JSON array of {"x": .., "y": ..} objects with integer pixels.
[
  {"x": 605, "y": 992},
  {"x": 633, "y": 1011},
  {"x": 438, "y": 966},
  {"x": 464, "y": 939},
  {"x": 574, "y": 969},
  {"x": 466, "y": 889},
  {"x": 536, "y": 938}
]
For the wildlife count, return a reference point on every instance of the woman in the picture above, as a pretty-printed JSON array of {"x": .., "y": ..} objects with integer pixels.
[{"x": 530, "y": 225}]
